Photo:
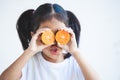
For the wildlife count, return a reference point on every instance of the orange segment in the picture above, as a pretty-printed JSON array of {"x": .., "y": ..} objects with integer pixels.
[
  {"x": 48, "y": 37},
  {"x": 62, "y": 37}
]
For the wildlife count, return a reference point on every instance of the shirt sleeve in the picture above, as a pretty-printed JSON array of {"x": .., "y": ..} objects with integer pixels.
[
  {"x": 78, "y": 71},
  {"x": 24, "y": 73}
]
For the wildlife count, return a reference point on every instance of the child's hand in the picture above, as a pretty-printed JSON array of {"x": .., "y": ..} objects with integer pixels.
[
  {"x": 72, "y": 45},
  {"x": 36, "y": 44}
]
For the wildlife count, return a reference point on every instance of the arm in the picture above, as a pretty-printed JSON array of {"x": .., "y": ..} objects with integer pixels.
[
  {"x": 14, "y": 71},
  {"x": 88, "y": 72}
]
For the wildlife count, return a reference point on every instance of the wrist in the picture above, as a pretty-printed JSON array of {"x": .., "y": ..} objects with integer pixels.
[
  {"x": 30, "y": 52},
  {"x": 74, "y": 51},
  {"x": 76, "y": 54}
]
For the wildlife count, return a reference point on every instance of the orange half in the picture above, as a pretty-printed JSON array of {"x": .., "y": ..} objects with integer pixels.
[
  {"x": 62, "y": 37},
  {"x": 48, "y": 37}
]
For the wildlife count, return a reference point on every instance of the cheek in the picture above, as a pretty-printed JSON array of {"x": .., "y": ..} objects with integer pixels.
[{"x": 46, "y": 50}]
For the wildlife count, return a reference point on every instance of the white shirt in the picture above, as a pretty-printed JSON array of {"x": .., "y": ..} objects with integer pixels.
[{"x": 40, "y": 69}]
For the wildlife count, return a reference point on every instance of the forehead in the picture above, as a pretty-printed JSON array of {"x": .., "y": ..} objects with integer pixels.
[{"x": 52, "y": 24}]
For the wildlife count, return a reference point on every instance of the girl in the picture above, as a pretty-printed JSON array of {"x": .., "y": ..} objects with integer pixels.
[{"x": 41, "y": 61}]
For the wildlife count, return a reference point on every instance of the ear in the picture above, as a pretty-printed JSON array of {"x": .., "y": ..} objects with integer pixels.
[{"x": 32, "y": 33}]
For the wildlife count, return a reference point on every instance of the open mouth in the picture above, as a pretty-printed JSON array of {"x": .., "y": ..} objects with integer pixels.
[{"x": 54, "y": 49}]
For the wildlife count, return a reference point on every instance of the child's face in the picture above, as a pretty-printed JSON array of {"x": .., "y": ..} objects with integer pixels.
[{"x": 54, "y": 52}]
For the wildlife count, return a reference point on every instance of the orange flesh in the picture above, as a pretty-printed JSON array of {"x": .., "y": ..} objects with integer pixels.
[
  {"x": 47, "y": 37},
  {"x": 62, "y": 37}
]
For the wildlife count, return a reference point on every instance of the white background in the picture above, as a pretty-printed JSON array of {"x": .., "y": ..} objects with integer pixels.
[{"x": 100, "y": 40}]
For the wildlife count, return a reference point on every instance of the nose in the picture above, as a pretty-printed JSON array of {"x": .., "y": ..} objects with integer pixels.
[{"x": 55, "y": 42}]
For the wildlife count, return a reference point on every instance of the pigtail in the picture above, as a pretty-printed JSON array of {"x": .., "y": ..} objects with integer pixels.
[
  {"x": 23, "y": 27},
  {"x": 75, "y": 25}
]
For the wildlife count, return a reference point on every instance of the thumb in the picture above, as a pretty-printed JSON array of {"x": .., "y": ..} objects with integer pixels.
[
  {"x": 65, "y": 47},
  {"x": 44, "y": 46}
]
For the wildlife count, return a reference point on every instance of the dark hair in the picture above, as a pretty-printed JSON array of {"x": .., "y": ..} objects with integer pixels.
[
  {"x": 75, "y": 25},
  {"x": 30, "y": 21}
]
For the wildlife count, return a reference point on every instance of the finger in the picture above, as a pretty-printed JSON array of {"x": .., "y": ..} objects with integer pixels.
[
  {"x": 63, "y": 28},
  {"x": 63, "y": 46},
  {"x": 40, "y": 31},
  {"x": 71, "y": 32},
  {"x": 60, "y": 45},
  {"x": 44, "y": 46}
]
